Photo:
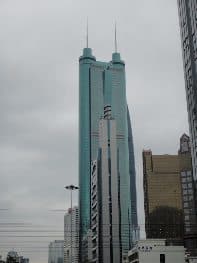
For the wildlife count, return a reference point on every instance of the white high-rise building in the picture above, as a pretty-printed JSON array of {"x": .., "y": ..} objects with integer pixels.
[
  {"x": 56, "y": 252},
  {"x": 71, "y": 236},
  {"x": 105, "y": 195}
]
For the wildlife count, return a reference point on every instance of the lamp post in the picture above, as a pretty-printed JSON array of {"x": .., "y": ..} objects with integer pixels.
[{"x": 71, "y": 188}]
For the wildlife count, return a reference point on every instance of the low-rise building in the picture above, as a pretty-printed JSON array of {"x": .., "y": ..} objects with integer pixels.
[{"x": 156, "y": 250}]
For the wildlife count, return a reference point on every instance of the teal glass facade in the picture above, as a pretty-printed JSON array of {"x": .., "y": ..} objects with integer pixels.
[{"x": 100, "y": 84}]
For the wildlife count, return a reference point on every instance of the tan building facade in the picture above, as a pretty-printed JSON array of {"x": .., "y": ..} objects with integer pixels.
[
  {"x": 163, "y": 196},
  {"x": 168, "y": 194},
  {"x": 162, "y": 176}
]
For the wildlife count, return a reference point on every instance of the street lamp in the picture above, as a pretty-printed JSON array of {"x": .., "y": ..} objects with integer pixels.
[{"x": 71, "y": 188}]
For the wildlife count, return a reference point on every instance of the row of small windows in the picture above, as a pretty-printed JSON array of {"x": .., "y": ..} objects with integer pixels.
[
  {"x": 188, "y": 211},
  {"x": 186, "y": 173},
  {"x": 187, "y": 186},
  {"x": 186, "y": 204},
  {"x": 189, "y": 191},
  {"x": 188, "y": 198},
  {"x": 186, "y": 179}
]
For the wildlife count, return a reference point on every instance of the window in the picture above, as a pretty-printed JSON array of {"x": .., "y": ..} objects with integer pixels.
[
  {"x": 183, "y": 179},
  {"x": 185, "y": 198},
  {"x": 184, "y": 186},
  {"x": 191, "y": 210},
  {"x": 189, "y": 179},
  {"x": 162, "y": 258},
  {"x": 188, "y": 229},
  {"x": 186, "y": 204},
  {"x": 184, "y": 192}
]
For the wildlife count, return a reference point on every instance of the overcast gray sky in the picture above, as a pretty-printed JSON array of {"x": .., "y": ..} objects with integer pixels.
[{"x": 40, "y": 42}]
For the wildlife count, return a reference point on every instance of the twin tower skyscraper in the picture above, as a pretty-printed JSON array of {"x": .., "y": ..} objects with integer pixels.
[{"x": 107, "y": 197}]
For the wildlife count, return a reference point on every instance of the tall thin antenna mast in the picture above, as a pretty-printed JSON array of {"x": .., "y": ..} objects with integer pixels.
[
  {"x": 87, "y": 32},
  {"x": 115, "y": 38}
]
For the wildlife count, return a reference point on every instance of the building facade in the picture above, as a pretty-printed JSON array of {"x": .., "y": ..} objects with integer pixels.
[
  {"x": 188, "y": 195},
  {"x": 100, "y": 84},
  {"x": 71, "y": 236},
  {"x": 56, "y": 252},
  {"x": 150, "y": 250},
  {"x": 105, "y": 195},
  {"x": 169, "y": 194},
  {"x": 87, "y": 247},
  {"x": 188, "y": 27},
  {"x": 162, "y": 196}
]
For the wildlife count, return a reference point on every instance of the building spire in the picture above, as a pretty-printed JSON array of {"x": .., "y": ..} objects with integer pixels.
[
  {"x": 87, "y": 32},
  {"x": 115, "y": 38}
]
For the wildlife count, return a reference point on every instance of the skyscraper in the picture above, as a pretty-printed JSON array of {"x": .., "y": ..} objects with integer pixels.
[
  {"x": 188, "y": 27},
  {"x": 71, "y": 236},
  {"x": 105, "y": 195},
  {"x": 100, "y": 84}
]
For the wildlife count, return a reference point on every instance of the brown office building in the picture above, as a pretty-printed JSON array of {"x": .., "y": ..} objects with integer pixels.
[{"x": 169, "y": 195}]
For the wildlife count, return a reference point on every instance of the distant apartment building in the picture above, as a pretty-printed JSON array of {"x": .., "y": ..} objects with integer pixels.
[
  {"x": 155, "y": 250},
  {"x": 71, "y": 236},
  {"x": 169, "y": 196},
  {"x": 56, "y": 252}
]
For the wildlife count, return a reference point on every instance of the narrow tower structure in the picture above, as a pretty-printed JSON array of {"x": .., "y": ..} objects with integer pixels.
[{"x": 102, "y": 84}]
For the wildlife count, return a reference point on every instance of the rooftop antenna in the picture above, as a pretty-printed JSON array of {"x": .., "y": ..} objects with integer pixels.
[
  {"x": 87, "y": 32},
  {"x": 115, "y": 38}
]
